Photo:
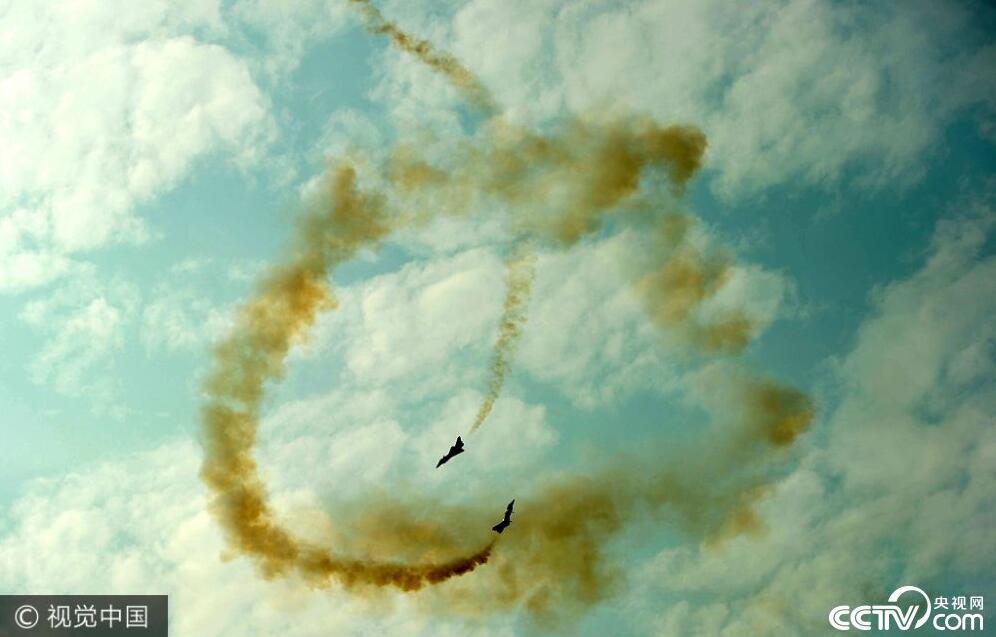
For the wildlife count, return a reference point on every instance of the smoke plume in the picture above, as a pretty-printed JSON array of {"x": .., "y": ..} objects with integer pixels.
[{"x": 555, "y": 189}]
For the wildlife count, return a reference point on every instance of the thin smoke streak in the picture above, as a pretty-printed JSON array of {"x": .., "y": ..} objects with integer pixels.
[{"x": 520, "y": 272}]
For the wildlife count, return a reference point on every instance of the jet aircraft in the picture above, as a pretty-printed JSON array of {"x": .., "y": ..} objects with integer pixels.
[
  {"x": 505, "y": 521},
  {"x": 455, "y": 450}
]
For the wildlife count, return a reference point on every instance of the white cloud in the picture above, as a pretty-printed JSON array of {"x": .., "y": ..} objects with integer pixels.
[
  {"x": 180, "y": 319},
  {"x": 349, "y": 431},
  {"x": 107, "y": 105},
  {"x": 427, "y": 315},
  {"x": 758, "y": 293},
  {"x": 352, "y": 441},
  {"x": 85, "y": 322},
  {"x": 287, "y": 27},
  {"x": 414, "y": 346},
  {"x": 905, "y": 457},
  {"x": 587, "y": 332},
  {"x": 347, "y": 129},
  {"x": 90, "y": 137},
  {"x": 177, "y": 316},
  {"x": 787, "y": 91},
  {"x": 506, "y": 448},
  {"x": 25, "y": 270}
]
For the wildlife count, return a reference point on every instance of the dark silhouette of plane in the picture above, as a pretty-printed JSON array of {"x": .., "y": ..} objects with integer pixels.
[
  {"x": 455, "y": 450},
  {"x": 505, "y": 521}
]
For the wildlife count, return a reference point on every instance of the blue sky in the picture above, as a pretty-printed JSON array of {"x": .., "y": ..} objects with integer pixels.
[{"x": 153, "y": 159}]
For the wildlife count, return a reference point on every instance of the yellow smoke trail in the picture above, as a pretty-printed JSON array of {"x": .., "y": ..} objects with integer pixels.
[
  {"x": 519, "y": 278},
  {"x": 284, "y": 307},
  {"x": 561, "y": 185},
  {"x": 555, "y": 560},
  {"x": 557, "y": 187},
  {"x": 458, "y": 75},
  {"x": 516, "y": 167},
  {"x": 683, "y": 278}
]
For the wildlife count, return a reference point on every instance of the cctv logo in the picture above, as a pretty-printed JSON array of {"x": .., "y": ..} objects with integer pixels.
[
  {"x": 844, "y": 618},
  {"x": 889, "y": 616}
]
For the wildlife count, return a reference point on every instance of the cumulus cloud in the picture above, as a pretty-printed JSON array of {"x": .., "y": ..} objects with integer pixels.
[
  {"x": 905, "y": 457},
  {"x": 85, "y": 322},
  {"x": 177, "y": 316},
  {"x": 109, "y": 104},
  {"x": 181, "y": 320},
  {"x": 287, "y": 28},
  {"x": 424, "y": 316}
]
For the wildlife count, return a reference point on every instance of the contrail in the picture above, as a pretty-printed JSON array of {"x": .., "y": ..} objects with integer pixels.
[{"x": 519, "y": 278}]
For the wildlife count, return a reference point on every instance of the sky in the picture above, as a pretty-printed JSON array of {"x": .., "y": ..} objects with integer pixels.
[{"x": 157, "y": 160}]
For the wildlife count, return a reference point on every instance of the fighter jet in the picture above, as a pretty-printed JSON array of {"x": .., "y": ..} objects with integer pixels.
[
  {"x": 505, "y": 521},
  {"x": 455, "y": 450}
]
